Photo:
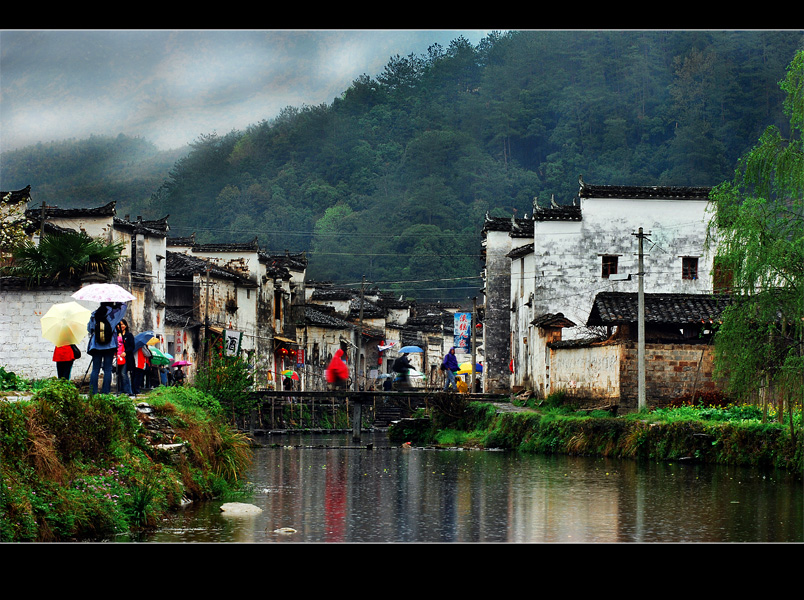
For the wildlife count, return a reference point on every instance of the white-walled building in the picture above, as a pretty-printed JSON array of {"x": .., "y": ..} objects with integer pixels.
[{"x": 576, "y": 252}]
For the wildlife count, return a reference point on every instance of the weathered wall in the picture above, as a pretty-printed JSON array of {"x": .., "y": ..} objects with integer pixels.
[
  {"x": 588, "y": 373},
  {"x": 595, "y": 374},
  {"x": 671, "y": 371},
  {"x": 23, "y": 349},
  {"x": 569, "y": 254},
  {"x": 497, "y": 317}
]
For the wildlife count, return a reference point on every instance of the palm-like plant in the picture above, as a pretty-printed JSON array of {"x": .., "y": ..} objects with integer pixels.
[{"x": 65, "y": 256}]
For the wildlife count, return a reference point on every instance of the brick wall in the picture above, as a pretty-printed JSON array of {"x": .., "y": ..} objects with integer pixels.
[
  {"x": 671, "y": 371},
  {"x": 596, "y": 375}
]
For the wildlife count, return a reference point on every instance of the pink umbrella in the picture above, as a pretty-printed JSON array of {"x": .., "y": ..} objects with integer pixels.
[{"x": 180, "y": 363}]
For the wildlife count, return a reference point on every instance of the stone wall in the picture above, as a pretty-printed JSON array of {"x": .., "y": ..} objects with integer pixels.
[
  {"x": 671, "y": 371},
  {"x": 587, "y": 374},
  {"x": 597, "y": 375},
  {"x": 23, "y": 350}
]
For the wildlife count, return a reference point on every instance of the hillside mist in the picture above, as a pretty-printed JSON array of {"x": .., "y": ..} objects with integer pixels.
[{"x": 393, "y": 179}]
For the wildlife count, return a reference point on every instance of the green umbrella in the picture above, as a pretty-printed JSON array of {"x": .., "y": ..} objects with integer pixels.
[{"x": 159, "y": 358}]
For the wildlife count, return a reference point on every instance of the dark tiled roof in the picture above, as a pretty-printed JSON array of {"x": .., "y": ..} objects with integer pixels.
[
  {"x": 324, "y": 318},
  {"x": 184, "y": 265},
  {"x": 175, "y": 318},
  {"x": 627, "y": 191},
  {"x": 369, "y": 309},
  {"x": 388, "y": 300},
  {"x": 552, "y": 320},
  {"x": 157, "y": 227},
  {"x": 181, "y": 241},
  {"x": 332, "y": 293},
  {"x": 520, "y": 251},
  {"x": 15, "y": 197},
  {"x": 251, "y": 246},
  {"x": 508, "y": 224},
  {"x": 558, "y": 213},
  {"x": 615, "y": 308},
  {"x": 107, "y": 210},
  {"x": 294, "y": 262}
]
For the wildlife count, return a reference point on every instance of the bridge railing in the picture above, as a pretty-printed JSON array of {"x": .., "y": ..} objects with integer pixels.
[{"x": 290, "y": 409}]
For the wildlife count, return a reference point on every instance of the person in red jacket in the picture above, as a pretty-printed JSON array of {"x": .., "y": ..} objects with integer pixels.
[
  {"x": 64, "y": 356},
  {"x": 337, "y": 373}
]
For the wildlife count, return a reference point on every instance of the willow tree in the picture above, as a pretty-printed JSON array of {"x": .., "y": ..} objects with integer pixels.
[{"x": 757, "y": 230}]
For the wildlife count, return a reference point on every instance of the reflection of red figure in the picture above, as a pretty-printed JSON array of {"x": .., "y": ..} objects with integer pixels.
[{"x": 335, "y": 502}]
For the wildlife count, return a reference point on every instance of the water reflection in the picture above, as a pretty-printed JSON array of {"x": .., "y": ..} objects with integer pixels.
[{"x": 327, "y": 490}]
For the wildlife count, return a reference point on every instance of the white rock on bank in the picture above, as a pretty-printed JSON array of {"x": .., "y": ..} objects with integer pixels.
[{"x": 239, "y": 508}]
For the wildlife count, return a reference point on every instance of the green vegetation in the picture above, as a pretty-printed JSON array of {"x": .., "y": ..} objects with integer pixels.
[
  {"x": 758, "y": 234},
  {"x": 64, "y": 257},
  {"x": 731, "y": 434},
  {"x": 393, "y": 179},
  {"x": 228, "y": 379},
  {"x": 88, "y": 468}
]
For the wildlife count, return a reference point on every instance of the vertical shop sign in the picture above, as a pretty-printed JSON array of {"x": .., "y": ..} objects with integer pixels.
[{"x": 463, "y": 329}]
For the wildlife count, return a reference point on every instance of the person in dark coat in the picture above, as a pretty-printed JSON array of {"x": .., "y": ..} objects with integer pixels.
[
  {"x": 103, "y": 352},
  {"x": 450, "y": 367},
  {"x": 402, "y": 366},
  {"x": 125, "y": 357}
]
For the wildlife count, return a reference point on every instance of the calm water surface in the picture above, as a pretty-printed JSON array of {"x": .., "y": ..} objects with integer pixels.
[{"x": 317, "y": 488}]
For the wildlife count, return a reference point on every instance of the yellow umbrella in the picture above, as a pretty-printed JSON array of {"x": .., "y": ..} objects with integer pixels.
[
  {"x": 66, "y": 323},
  {"x": 154, "y": 341}
]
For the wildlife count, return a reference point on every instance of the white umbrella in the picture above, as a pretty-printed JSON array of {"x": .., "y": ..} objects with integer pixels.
[{"x": 103, "y": 292}]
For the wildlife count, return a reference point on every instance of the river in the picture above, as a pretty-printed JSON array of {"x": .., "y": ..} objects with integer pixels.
[{"x": 328, "y": 489}]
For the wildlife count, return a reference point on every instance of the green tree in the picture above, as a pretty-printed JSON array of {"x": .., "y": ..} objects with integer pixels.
[
  {"x": 758, "y": 232},
  {"x": 65, "y": 257}
]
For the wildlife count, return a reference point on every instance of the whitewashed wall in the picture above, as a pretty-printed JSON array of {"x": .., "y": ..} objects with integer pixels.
[
  {"x": 568, "y": 254},
  {"x": 587, "y": 372},
  {"x": 23, "y": 350}
]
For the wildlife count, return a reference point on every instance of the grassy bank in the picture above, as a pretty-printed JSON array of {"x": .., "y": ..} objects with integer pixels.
[
  {"x": 725, "y": 435},
  {"x": 78, "y": 468}
]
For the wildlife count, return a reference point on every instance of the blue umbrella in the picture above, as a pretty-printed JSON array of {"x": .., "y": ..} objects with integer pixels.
[
  {"x": 141, "y": 339},
  {"x": 409, "y": 349}
]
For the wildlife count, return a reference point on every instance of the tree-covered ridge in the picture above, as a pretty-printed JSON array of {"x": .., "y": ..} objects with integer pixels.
[{"x": 393, "y": 179}]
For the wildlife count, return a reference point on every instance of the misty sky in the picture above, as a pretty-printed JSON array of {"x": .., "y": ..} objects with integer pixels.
[{"x": 171, "y": 86}]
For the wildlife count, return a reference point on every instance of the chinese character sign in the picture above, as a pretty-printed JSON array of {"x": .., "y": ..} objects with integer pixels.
[
  {"x": 463, "y": 329},
  {"x": 233, "y": 342}
]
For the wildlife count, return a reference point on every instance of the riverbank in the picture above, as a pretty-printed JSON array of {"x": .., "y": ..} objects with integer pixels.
[
  {"x": 76, "y": 468},
  {"x": 654, "y": 435}
]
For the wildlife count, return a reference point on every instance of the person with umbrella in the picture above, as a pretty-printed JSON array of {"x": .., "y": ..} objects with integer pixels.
[
  {"x": 64, "y": 325},
  {"x": 102, "y": 344},
  {"x": 450, "y": 365},
  {"x": 125, "y": 358},
  {"x": 141, "y": 360}
]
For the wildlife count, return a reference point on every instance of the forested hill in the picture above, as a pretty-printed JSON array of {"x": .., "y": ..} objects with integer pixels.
[{"x": 393, "y": 179}]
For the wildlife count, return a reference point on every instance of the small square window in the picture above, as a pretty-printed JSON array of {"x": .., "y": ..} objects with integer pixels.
[
  {"x": 609, "y": 266},
  {"x": 689, "y": 267}
]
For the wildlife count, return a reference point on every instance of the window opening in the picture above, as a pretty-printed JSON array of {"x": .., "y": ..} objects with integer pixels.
[
  {"x": 609, "y": 264},
  {"x": 689, "y": 267}
]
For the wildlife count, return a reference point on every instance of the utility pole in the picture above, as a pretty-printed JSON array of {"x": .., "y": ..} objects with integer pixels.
[
  {"x": 42, "y": 223},
  {"x": 642, "y": 401},
  {"x": 473, "y": 324},
  {"x": 359, "y": 338},
  {"x": 206, "y": 322}
]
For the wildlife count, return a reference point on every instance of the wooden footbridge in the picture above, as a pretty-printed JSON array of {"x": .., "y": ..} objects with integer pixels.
[{"x": 340, "y": 409}]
